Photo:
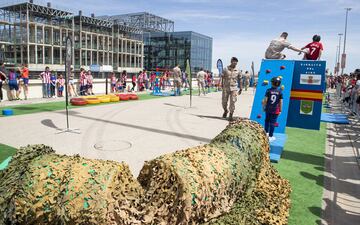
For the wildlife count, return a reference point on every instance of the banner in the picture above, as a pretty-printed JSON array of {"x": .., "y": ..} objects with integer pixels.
[
  {"x": 220, "y": 67},
  {"x": 252, "y": 81}
]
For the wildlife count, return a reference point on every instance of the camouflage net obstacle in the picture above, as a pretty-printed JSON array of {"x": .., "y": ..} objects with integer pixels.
[
  {"x": 41, "y": 187},
  {"x": 229, "y": 181}
]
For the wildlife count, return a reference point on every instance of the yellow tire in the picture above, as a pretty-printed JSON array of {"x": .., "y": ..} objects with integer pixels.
[
  {"x": 92, "y": 100},
  {"x": 114, "y": 99},
  {"x": 104, "y": 99}
]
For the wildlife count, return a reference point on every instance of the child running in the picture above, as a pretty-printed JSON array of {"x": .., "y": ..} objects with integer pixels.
[{"x": 272, "y": 104}]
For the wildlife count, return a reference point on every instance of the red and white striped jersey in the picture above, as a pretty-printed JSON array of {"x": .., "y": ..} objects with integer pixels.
[
  {"x": 83, "y": 80},
  {"x": 45, "y": 77}
]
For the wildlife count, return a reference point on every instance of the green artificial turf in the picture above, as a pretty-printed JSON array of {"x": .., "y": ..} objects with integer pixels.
[
  {"x": 302, "y": 163},
  {"x": 60, "y": 105},
  {"x": 6, "y": 151}
]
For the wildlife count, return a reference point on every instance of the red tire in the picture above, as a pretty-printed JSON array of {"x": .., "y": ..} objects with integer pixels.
[
  {"x": 134, "y": 97},
  {"x": 124, "y": 97},
  {"x": 78, "y": 101}
]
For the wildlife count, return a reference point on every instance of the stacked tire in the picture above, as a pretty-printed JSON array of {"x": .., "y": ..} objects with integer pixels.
[
  {"x": 92, "y": 101},
  {"x": 104, "y": 98},
  {"x": 114, "y": 98},
  {"x": 133, "y": 97},
  {"x": 124, "y": 97},
  {"x": 78, "y": 101}
]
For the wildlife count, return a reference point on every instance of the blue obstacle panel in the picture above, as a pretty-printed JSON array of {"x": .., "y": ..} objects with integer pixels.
[
  {"x": 334, "y": 118},
  {"x": 277, "y": 147},
  {"x": 307, "y": 94},
  {"x": 268, "y": 70},
  {"x": 161, "y": 94},
  {"x": 301, "y": 120},
  {"x": 7, "y": 112}
]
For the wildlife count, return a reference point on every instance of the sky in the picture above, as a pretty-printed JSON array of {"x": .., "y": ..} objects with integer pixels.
[{"x": 245, "y": 28}]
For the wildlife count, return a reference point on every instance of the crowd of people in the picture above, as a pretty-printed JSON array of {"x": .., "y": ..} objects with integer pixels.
[
  {"x": 348, "y": 89},
  {"x": 145, "y": 80},
  {"x": 53, "y": 84},
  {"x": 17, "y": 80}
]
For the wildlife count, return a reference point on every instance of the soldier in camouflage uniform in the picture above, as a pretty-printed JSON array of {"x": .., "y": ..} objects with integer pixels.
[
  {"x": 230, "y": 81},
  {"x": 177, "y": 79}
]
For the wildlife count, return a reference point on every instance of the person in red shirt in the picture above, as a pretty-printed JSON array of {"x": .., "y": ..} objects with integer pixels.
[{"x": 314, "y": 48}]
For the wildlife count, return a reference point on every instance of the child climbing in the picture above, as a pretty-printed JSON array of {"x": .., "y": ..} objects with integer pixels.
[{"x": 272, "y": 105}]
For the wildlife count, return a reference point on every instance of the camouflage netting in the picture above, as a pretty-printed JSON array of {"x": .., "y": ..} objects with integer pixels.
[
  {"x": 229, "y": 181},
  {"x": 41, "y": 187},
  {"x": 201, "y": 183},
  {"x": 269, "y": 202}
]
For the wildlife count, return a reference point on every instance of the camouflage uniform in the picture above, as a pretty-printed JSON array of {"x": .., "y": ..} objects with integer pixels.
[
  {"x": 177, "y": 80},
  {"x": 229, "y": 80}
]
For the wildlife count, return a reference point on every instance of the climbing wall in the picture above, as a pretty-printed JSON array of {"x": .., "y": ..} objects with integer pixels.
[{"x": 268, "y": 70}]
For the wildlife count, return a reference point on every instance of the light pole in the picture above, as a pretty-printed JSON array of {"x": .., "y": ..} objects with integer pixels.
[
  {"x": 336, "y": 60},
  {"x": 343, "y": 58},
  {"x": 338, "y": 57}
]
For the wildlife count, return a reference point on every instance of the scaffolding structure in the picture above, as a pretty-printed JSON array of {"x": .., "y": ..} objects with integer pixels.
[
  {"x": 145, "y": 21},
  {"x": 35, "y": 35}
]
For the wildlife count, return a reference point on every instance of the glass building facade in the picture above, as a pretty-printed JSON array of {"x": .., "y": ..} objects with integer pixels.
[{"x": 166, "y": 49}]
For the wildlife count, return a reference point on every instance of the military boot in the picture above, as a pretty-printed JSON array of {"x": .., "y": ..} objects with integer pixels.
[
  {"x": 225, "y": 114},
  {"x": 231, "y": 117}
]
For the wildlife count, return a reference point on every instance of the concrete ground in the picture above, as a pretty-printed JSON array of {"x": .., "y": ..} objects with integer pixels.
[
  {"x": 341, "y": 199},
  {"x": 134, "y": 132},
  {"x": 131, "y": 132}
]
